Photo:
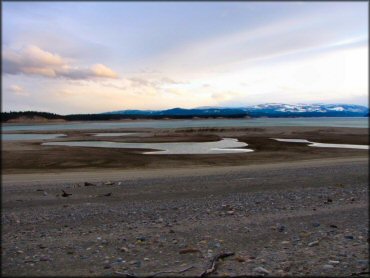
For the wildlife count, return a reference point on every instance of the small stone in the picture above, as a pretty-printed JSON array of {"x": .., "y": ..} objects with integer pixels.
[
  {"x": 107, "y": 266},
  {"x": 108, "y": 183},
  {"x": 230, "y": 212},
  {"x": 280, "y": 228},
  {"x": 348, "y": 237},
  {"x": 124, "y": 249},
  {"x": 189, "y": 250},
  {"x": 285, "y": 242},
  {"x": 327, "y": 266},
  {"x": 364, "y": 262},
  {"x": 44, "y": 259},
  {"x": 141, "y": 238},
  {"x": 88, "y": 184},
  {"x": 261, "y": 270},
  {"x": 334, "y": 226},
  {"x": 316, "y": 225},
  {"x": 313, "y": 243},
  {"x": 45, "y": 193},
  {"x": 146, "y": 259},
  {"x": 333, "y": 262},
  {"x": 240, "y": 259}
]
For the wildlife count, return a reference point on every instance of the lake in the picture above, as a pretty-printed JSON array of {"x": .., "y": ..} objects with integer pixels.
[
  {"x": 361, "y": 122},
  {"x": 23, "y": 136}
]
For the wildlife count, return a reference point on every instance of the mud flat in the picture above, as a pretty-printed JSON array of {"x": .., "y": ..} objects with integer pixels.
[{"x": 284, "y": 209}]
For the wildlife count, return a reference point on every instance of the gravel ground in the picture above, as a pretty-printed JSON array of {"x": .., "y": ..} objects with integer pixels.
[{"x": 292, "y": 219}]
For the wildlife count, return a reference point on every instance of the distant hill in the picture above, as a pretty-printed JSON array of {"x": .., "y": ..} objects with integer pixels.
[
  {"x": 181, "y": 112},
  {"x": 30, "y": 116},
  {"x": 261, "y": 110}
]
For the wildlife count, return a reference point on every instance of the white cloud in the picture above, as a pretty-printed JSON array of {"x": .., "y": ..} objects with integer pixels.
[
  {"x": 17, "y": 90},
  {"x": 32, "y": 60}
]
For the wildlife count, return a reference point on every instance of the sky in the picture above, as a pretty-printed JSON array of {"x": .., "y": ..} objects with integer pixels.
[{"x": 91, "y": 57}]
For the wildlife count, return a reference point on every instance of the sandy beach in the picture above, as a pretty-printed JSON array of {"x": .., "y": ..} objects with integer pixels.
[{"x": 284, "y": 210}]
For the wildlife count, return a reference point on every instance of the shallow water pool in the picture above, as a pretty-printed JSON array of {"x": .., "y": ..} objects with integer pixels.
[
  {"x": 324, "y": 145},
  {"x": 226, "y": 145}
]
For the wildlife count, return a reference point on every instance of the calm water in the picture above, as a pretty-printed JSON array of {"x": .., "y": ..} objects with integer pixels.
[
  {"x": 115, "y": 134},
  {"x": 23, "y": 136},
  {"x": 226, "y": 145},
  {"x": 259, "y": 122},
  {"x": 324, "y": 145}
]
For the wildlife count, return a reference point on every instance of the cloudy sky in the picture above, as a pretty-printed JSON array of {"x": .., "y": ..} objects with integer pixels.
[{"x": 89, "y": 57}]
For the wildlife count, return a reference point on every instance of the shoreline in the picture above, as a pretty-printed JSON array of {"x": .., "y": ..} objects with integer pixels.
[{"x": 97, "y": 175}]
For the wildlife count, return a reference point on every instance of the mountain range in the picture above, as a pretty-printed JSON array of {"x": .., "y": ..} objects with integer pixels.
[{"x": 260, "y": 110}]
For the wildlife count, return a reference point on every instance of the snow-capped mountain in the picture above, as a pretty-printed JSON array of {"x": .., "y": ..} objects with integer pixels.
[
  {"x": 300, "y": 108},
  {"x": 260, "y": 110}
]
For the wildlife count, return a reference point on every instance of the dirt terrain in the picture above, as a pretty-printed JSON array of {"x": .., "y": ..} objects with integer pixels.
[
  {"x": 31, "y": 156},
  {"x": 284, "y": 210}
]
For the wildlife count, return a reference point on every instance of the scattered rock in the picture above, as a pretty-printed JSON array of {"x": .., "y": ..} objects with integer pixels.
[
  {"x": 44, "y": 259},
  {"x": 240, "y": 259},
  {"x": 334, "y": 226},
  {"x": 313, "y": 243},
  {"x": 189, "y": 250},
  {"x": 364, "y": 262},
  {"x": 261, "y": 270},
  {"x": 316, "y": 225},
  {"x": 108, "y": 183},
  {"x": 89, "y": 184},
  {"x": 280, "y": 228},
  {"x": 65, "y": 194},
  {"x": 141, "y": 238},
  {"x": 349, "y": 237},
  {"x": 327, "y": 266},
  {"x": 333, "y": 262},
  {"x": 120, "y": 260},
  {"x": 230, "y": 212},
  {"x": 108, "y": 194}
]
